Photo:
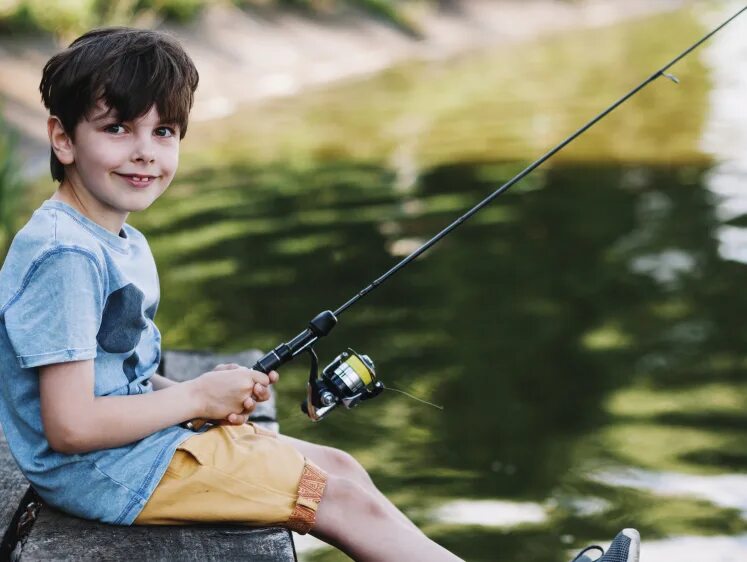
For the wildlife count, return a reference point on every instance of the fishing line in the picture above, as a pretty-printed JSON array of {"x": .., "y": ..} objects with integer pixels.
[
  {"x": 414, "y": 397},
  {"x": 287, "y": 419}
]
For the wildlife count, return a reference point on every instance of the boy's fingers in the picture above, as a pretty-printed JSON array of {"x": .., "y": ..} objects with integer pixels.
[
  {"x": 238, "y": 419},
  {"x": 261, "y": 392},
  {"x": 274, "y": 377},
  {"x": 226, "y": 366},
  {"x": 249, "y": 405},
  {"x": 260, "y": 377}
]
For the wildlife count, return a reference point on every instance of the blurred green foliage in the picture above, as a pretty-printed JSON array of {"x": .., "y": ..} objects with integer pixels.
[
  {"x": 10, "y": 186},
  {"x": 75, "y": 16}
]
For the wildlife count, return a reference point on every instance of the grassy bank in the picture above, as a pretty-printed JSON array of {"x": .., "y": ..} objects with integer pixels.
[{"x": 21, "y": 17}]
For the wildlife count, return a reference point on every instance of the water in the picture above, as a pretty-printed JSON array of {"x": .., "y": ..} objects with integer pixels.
[{"x": 585, "y": 333}]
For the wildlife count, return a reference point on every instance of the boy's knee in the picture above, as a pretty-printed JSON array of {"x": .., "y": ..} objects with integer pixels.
[
  {"x": 342, "y": 462},
  {"x": 341, "y": 492},
  {"x": 345, "y": 465},
  {"x": 343, "y": 495}
]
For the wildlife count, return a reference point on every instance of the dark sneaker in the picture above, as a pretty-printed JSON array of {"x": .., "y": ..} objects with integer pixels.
[{"x": 625, "y": 547}]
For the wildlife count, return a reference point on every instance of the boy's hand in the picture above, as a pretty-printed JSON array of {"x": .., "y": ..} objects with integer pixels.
[{"x": 260, "y": 393}]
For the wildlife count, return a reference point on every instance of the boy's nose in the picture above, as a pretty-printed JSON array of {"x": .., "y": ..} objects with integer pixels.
[{"x": 143, "y": 151}]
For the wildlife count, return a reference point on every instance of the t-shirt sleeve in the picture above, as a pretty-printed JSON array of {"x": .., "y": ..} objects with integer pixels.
[{"x": 57, "y": 314}]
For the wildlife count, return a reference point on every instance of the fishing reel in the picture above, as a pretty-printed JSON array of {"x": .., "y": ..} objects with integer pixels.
[{"x": 348, "y": 380}]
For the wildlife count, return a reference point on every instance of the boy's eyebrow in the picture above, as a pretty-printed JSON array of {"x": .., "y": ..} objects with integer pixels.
[{"x": 106, "y": 114}]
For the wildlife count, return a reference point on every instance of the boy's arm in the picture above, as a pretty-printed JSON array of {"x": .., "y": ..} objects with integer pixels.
[
  {"x": 159, "y": 382},
  {"x": 76, "y": 421}
]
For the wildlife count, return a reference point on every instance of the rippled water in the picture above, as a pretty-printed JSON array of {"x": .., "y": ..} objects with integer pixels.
[{"x": 585, "y": 333}]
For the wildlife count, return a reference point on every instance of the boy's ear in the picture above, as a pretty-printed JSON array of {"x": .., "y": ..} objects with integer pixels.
[{"x": 61, "y": 142}]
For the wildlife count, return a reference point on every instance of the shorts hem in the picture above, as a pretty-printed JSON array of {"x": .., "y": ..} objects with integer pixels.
[{"x": 310, "y": 490}]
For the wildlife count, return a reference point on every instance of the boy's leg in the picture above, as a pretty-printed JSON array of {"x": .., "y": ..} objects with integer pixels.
[
  {"x": 351, "y": 518},
  {"x": 354, "y": 515},
  {"x": 237, "y": 474},
  {"x": 339, "y": 463}
]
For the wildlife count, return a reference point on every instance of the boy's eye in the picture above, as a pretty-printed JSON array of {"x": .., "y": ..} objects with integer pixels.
[
  {"x": 111, "y": 128},
  {"x": 165, "y": 132}
]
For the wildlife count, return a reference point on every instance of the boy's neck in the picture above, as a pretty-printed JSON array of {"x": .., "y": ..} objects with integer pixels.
[{"x": 68, "y": 195}]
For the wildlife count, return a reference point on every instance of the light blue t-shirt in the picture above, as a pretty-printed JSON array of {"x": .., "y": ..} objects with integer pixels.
[{"x": 71, "y": 290}]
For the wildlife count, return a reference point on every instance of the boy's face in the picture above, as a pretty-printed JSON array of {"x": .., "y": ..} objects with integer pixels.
[{"x": 117, "y": 167}]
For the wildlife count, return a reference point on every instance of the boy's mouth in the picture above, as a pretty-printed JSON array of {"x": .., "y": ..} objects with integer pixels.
[{"x": 138, "y": 180}]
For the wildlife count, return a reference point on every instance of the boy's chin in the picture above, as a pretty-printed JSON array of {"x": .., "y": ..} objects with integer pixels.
[
  {"x": 137, "y": 208},
  {"x": 139, "y": 203},
  {"x": 140, "y": 206}
]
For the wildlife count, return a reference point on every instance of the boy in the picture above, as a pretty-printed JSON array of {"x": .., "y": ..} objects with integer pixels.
[{"x": 88, "y": 421}]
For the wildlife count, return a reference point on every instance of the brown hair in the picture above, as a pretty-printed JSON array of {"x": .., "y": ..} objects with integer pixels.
[{"x": 129, "y": 69}]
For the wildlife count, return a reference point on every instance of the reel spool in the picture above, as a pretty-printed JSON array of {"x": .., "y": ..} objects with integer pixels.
[{"x": 348, "y": 380}]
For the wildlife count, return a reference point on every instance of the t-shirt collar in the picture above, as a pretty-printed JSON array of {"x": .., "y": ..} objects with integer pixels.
[{"x": 121, "y": 242}]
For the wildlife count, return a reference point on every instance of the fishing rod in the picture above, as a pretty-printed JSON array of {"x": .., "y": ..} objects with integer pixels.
[{"x": 351, "y": 378}]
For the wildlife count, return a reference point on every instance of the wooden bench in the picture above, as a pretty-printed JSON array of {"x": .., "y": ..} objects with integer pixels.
[{"x": 35, "y": 531}]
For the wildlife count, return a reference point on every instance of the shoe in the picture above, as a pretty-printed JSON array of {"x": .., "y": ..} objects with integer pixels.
[{"x": 625, "y": 547}]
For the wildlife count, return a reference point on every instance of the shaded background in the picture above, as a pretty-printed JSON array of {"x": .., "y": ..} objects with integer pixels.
[{"x": 584, "y": 333}]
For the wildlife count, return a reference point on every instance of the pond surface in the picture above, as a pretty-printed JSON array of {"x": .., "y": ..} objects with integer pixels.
[{"x": 585, "y": 333}]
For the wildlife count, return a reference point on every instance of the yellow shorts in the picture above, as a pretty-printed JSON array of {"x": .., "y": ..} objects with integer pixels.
[{"x": 237, "y": 474}]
